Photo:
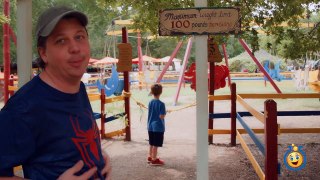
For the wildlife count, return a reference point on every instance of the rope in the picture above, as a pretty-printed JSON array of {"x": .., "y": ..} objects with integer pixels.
[
  {"x": 141, "y": 105},
  {"x": 178, "y": 109},
  {"x": 126, "y": 94}
]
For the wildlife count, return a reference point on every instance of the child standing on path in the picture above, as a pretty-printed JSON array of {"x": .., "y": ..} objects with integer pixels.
[{"x": 156, "y": 124}]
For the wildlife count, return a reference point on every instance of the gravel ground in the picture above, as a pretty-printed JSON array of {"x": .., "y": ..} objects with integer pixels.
[
  {"x": 179, "y": 151},
  {"x": 225, "y": 162}
]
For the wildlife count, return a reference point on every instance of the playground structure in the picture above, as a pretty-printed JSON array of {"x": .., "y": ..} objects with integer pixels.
[
  {"x": 271, "y": 127},
  {"x": 307, "y": 79},
  {"x": 314, "y": 80},
  {"x": 126, "y": 99},
  {"x": 103, "y": 115}
]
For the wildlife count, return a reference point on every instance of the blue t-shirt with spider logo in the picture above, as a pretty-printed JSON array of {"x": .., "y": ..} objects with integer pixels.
[{"x": 47, "y": 132}]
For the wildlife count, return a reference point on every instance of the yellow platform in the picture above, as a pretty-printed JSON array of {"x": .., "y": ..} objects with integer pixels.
[{"x": 314, "y": 80}]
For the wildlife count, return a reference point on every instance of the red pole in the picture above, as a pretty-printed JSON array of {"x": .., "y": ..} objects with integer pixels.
[
  {"x": 211, "y": 92},
  {"x": 233, "y": 113},
  {"x": 13, "y": 36},
  {"x": 184, "y": 65},
  {"x": 211, "y": 103},
  {"x": 103, "y": 115},
  {"x": 140, "y": 62},
  {"x": 6, "y": 50},
  {"x": 126, "y": 89},
  {"x": 227, "y": 63},
  {"x": 271, "y": 132},
  {"x": 245, "y": 46},
  {"x": 173, "y": 55},
  {"x": 139, "y": 52},
  {"x": 11, "y": 83}
]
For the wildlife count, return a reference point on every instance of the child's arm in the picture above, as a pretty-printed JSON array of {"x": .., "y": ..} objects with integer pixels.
[
  {"x": 162, "y": 116},
  {"x": 162, "y": 111}
]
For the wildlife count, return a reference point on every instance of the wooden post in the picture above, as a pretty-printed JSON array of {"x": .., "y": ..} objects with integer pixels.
[
  {"x": 211, "y": 92},
  {"x": 103, "y": 115},
  {"x": 6, "y": 50},
  {"x": 126, "y": 89},
  {"x": 271, "y": 147},
  {"x": 211, "y": 103},
  {"x": 233, "y": 113},
  {"x": 11, "y": 83}
]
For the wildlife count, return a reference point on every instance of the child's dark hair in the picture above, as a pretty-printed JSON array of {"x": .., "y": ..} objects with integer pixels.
[{"x": 156, "y": 89}]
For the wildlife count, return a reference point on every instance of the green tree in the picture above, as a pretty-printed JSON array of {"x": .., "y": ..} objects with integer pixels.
[
  {"x": 267, "y": 15},
  {"x": 291, "y": 41}
]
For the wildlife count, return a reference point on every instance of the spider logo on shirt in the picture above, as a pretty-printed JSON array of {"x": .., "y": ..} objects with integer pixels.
[{"x": 86, "y": 141}]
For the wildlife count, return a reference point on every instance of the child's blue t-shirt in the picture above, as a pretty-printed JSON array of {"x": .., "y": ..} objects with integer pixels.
[
  {"x": 155, "y": 109},
  {"x": 47, "y": 132}
]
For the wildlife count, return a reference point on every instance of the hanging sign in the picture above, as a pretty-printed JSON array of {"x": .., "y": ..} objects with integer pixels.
[
  {"x": 125, "y": 57},
  {"x": 214, "y": 54},
  {"x": 199, "y": 21}
]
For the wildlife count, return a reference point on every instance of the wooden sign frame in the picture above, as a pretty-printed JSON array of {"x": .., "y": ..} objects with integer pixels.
[{"x": 199, "y": 21}]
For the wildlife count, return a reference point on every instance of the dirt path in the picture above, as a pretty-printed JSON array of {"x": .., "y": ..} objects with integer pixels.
[{"x": 225, "y": 162}]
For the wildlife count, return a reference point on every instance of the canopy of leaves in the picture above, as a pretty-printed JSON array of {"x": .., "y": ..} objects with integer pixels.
[
  {"x": 267, "y": 15},
  {"x": 291, "y": 41}
]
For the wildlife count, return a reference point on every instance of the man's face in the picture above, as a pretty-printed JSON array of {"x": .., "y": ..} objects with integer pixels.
[{"x": 67, "y": 50}]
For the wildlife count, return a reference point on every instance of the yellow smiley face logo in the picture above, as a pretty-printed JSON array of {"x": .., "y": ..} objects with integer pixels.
[{"x": 295, "y": 159}]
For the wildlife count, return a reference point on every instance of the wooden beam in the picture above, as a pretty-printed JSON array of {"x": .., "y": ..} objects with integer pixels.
[
  {"x": 251, "y": 109},
  {"x": 219, "y": 97},
  {"x": 300, "y": 130},
  {"x": 261, "y": 131},
  {"x": 253, "y": 161},
  {"x": 228, "y": 131},
  {"x": 280, "y": 96},
  {"x": 123, "y": 22},
  {"x": 94, "y": 97},
  {"x": 114, "y": 99},
  {"x": 120, "y": 132},
  {"x": 113, "y": 33}
]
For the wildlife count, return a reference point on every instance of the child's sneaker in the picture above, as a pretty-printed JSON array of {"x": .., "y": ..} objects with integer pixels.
[
  {"x": 157, "y": 162},
  {"x": 149, "y": 160}
]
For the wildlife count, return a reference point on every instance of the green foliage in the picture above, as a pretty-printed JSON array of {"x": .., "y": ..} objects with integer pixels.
[
  {"x": 235, "y": 66},
  {"x": 3, "y": 19},
  {"x": 291, "y": 41}
]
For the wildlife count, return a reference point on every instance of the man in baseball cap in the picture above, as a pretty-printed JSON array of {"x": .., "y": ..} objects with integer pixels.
[
  {"x": 49, "y": 120},
  {"x": 49, "y": 19}
]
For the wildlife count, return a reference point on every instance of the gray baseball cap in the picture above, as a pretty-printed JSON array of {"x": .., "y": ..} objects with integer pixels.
[{"x": 50, "y": 18}]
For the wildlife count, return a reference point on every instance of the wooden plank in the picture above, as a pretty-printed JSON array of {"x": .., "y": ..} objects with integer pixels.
[
  {"x": 218, "y": 131},
  {"x": 219, "y": 97},
  {"x": 253, "y": 161},
  {"x": 12, "y": 88},
  {"x": 280, "y": 96},
  {"x": 252, "y": 110},
  {"x": 114, "y": 99},
  {"x": 113, "y": 33},
  {"x": 94, "y": 97},
  {"x": 261, "y": 131},
  {"x": 228, "y": 131},
  {"x": 300, "y": 130},
  {"x": 120, "y": 132}
]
